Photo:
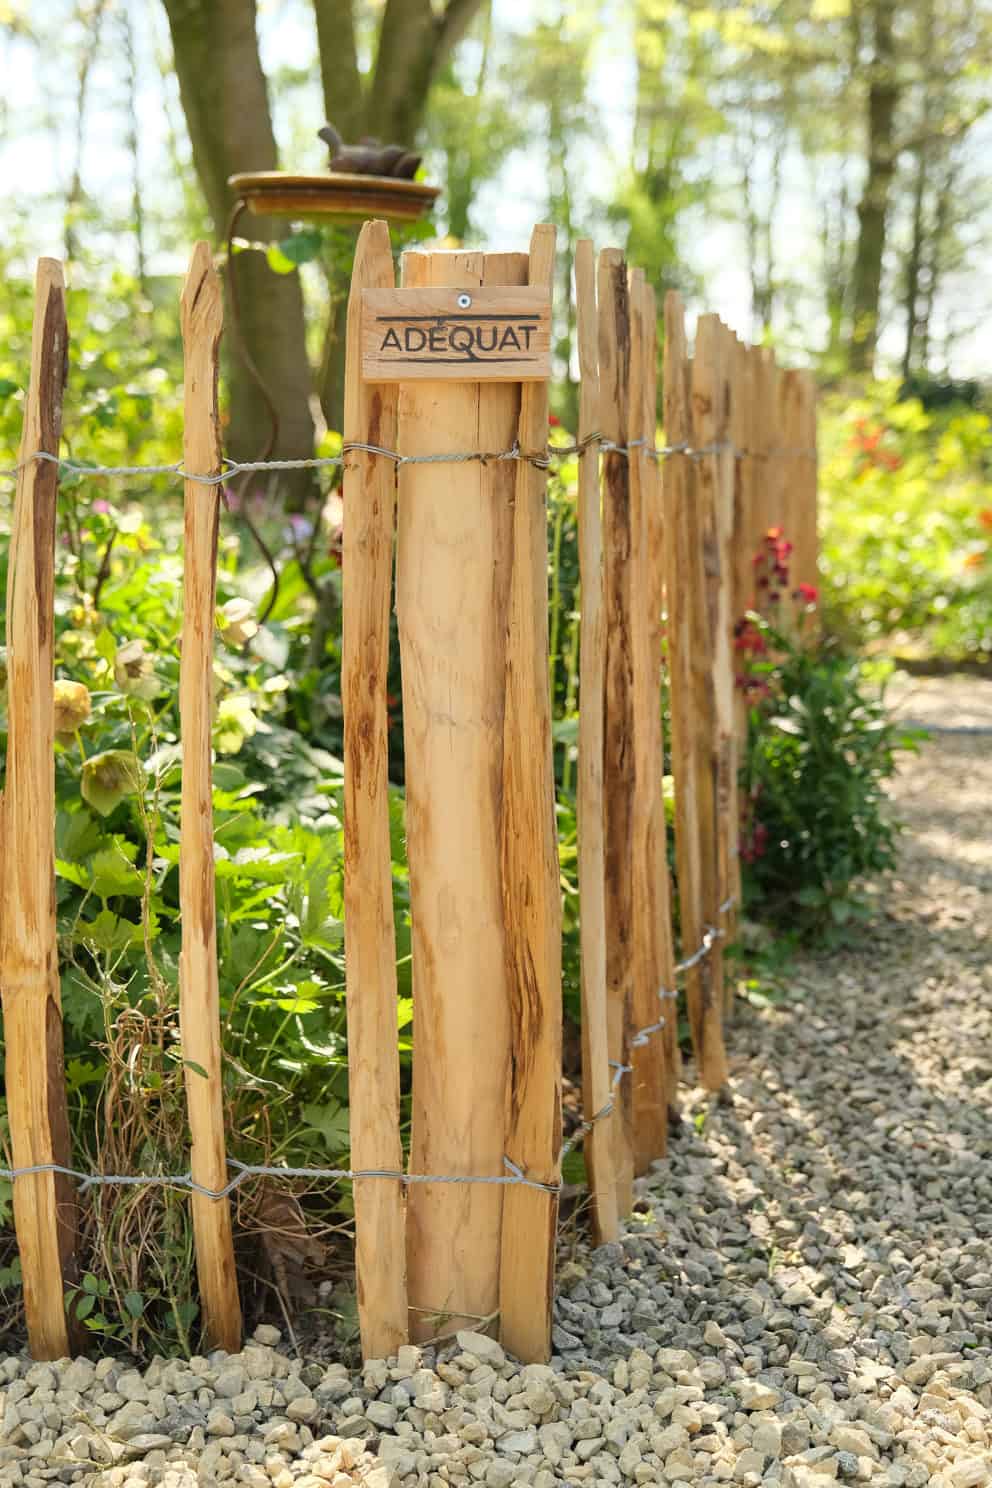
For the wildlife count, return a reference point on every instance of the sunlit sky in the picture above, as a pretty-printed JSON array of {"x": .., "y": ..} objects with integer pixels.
[{"x": 37, "y": 152}]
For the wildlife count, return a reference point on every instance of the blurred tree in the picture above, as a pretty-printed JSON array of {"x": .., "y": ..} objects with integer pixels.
[{"x": 225, "y": 100}]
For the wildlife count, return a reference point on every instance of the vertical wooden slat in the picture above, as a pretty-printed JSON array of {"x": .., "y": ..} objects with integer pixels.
[
  {"x": 740, "y": 570},
  {"x": 453, "y": 566},
  {"x": 649, "y": 1084},
  {"x": 531, "y": 893},
  {"x": 727, "y": 793},
  {"x": 715, "y": 497},
  {"x": 370, "y": 939},
  {"x": 767, "y": 397},
  {"x": 596, "y": 1082},
  {"x": 44, "y": 1203},
  {"x": 656, "y": 536},
  {"x": 618, "y": 773},
  {"x": 199, "y": 1001},
  {"x": 693, "y": 711},
  {"x": 808, "y": 568}
]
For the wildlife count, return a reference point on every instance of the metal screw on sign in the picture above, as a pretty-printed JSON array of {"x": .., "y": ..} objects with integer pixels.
[{"x": 464, "y": 300}]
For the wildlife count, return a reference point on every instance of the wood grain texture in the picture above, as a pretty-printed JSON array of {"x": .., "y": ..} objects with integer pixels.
[
  {"x": 714, "y": 502},
  {"x": 656, "y": 536},
  {"x": 199, "y": 1000},
  {"x": 531, "y": 893},
  {"x": 369, "y": 492},
  {"x": 598, "y": 1144},
  {"x": 453, "y": 568},
  {"x": 806, "y": 569},
  {"x": 618, "y": 757},
  {"x": 766, "y": 505},
  {"x": 423, "y": 334},
  {"x": 44, "y": 1203},
  {"x": 649, "y": 1079},
  {"x": 693, "y": 709}
]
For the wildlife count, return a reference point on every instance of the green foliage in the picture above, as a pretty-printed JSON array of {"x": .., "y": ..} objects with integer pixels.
[
  {"x": 820, "y": 748},
  {"x": 907, "y": 522}
]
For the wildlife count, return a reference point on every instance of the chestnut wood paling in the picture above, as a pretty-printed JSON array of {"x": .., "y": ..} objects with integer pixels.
[
  {"x": 596, "y": 1083},
  {"x": 453, "y": 569},
  {"x": 369, "y": 492},
  {"x": 656, "y": 535},
  {"x": 618, "y": 756},
  {"x": 648, "y": 1080},
  {"x": 199, "y": 1000},
  {"x": 715, "y": 497},
  {"x": 767, "y": 413},
  {"x": 531, "y": 892},
  {"x": 44, "y": 1203},
  {"x": 738, "y": 564},
  {"x": 807, "y": 570},
  {"x": 693, "y": 711}
]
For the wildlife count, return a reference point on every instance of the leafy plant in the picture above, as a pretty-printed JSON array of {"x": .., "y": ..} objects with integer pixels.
[{"x": 820, "y": 748}]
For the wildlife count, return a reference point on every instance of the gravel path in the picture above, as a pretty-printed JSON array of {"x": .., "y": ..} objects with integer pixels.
[{"x": 805, "y": 1294}]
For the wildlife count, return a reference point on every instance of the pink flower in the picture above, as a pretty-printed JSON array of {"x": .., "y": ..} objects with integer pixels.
[{"x": 101, "y": 505}]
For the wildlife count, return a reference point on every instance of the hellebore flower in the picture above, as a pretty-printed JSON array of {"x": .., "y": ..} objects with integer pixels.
[
  {"x": 72, "y": 708},
  {"x": 134, "y": 671},
  {"x": 109, "y": 777},
  {"x": 236, "y": 621}
]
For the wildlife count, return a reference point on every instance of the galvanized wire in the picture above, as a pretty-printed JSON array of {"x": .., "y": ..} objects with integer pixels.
[{"x": 514, "y": 1176}]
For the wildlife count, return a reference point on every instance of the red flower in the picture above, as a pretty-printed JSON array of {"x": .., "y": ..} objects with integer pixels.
[
  {"x": 554, "y": 421},
  {"x": 984, "y": 517},
  {"x": 808, "y": 593}
]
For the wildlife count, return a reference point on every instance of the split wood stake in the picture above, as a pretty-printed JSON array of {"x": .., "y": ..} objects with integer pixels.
[
  {"x": 531, "y": 893},
  {"x": 369, "y": 492},
  {"x": 808, "y": 569},
  {"x": 715, "y": 496},
  {"x": 199, "y": 998},
  {"x": 596, "y": 1083},
  {"x": 767, "y": 399},
  {"x": 618, "y": 771},
  {"x": 453, "y": 567},
  {"x": 693, "y": 712},
  {"x": 649, "y": 1084},
  {"x": 655, "y": 538},
  {"x": 44, "y": 1203}
]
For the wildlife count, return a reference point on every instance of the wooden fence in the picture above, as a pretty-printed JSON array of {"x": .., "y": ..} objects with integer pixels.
[{"x": 448, "y": 478}]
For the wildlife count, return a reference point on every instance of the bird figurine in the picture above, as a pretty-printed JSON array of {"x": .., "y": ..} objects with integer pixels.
[{"x": 369, "y": 157}]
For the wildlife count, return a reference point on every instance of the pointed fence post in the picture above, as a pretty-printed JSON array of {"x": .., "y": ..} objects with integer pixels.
[
  {"x": 693, "y": 711},
  {"x": 596, "y": 1082},
  {"x": 199, "y": 998},
  {"x": 44, "y": 1203},
  {"x": 370, "y": 938},
  {"x": 649, "y": 1077},
  {"x": 455, "y": 528},
  {"x": 656, "y": 538},
  {"x": 618, "y": 774},
  {"x": 531, "y": 891}
]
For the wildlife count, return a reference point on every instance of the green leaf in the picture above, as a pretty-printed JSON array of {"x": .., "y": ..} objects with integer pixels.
[
  {"x": 134, "y": 1304},
  {"x": 85, "y": 1305},
  {"x": 332, "y": 1122},
  {"x": 113, "y": 872}
]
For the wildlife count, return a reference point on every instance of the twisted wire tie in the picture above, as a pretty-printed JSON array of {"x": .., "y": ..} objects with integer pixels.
[
  {"x": 540, "y": 459},
  {"x": 514, "y": 1175}
]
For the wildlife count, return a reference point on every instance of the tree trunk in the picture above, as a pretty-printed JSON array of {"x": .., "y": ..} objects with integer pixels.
[
  {"x": 226, "y": 104},
  {"x": 883, "y": 96}
]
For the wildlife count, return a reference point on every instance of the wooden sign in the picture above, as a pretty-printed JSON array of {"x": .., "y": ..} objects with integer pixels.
[{"x": 468, "y": 335}]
